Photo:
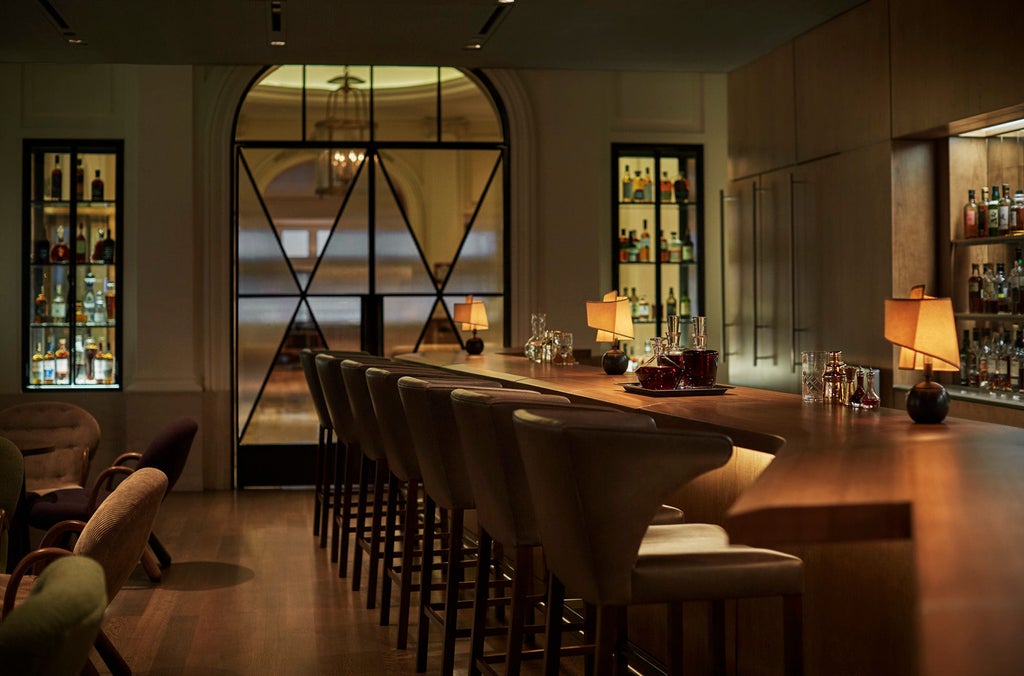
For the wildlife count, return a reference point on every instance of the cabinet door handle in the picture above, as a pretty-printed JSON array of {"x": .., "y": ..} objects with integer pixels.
[
  {"x": 722, "y": 199},
  {"x": 794, "y": 346},
  {"x": 757, "y": 271}
]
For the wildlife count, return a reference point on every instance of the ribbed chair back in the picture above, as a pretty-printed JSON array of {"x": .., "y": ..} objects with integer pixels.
[
  {"x": 73, "y": 433},
  {"x": 12, "y": 474},
  {"x": 52, "y": 631}
]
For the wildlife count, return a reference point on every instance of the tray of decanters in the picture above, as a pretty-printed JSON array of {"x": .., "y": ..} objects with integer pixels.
[{"x": 637, "y": 388}]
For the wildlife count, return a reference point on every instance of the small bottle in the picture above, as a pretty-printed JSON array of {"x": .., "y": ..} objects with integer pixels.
[
  {"x": 870, "y": 401},
  {"x": 1005, "y": 205},
  {"x": 40, "y": 307},
  {"x": 645, "y": 244},
  {"x": 983, "y": 213},
  {"x": 666, "y": 187},
  {"x": 100, "y": 315},
  {"x": 638, "y": 187},
  {"x": 89, "y": 302},
  {"x": 681, "y": 187},
  {"x": 634, "y": 302},
  {"x": 974, "y": 285},
  {"x": 687, "y": 248},
  {"x": 81, "y": 245},
  {"x": 108, "y": 357},
  {"x": 648, "y": 185},
  {"x": 663, "y": 249},
  {"x": 110, "y": 298},
  {"x": 643, "y": 308},
  {"x": 49, "y": 365},
  {"x": 56, "y": 179},
  {"x": 108, "y": 248},
  {"x": 684, "y": 304},
  {"x": 1017, "y": 284},
  {"x": 988, "y": 289},
  {"x": 671, "y": 304},
  {"x": 627, "y": 186},
  {"x": 79, "y": 372},
  {"x": 37, "y": 373},
  {"x": 1017, "y": 213},
  {"x": 92, "y": 348},
  {"x": 833, "y": 379},
  {"x": 993, "y": 213},
  {"x": 633, "y": 253},
  {"x": 41, "y": 248},
  {"x": 965, "y": 359},
  {"x": 59, "y": 309},
  {"x": 538, "y": 323},
  {"x": 61, "y": 363},
  {"x": 97, "y": 188},
  {"x": 675, "y": 249},
  {"x": 100, "y": 365},
  {"x": 858, "y": 390},
  {"x": 984, "y": 352},
  {"x": 60, "y": 253},
  {"x": 1001, "y": 289},
  {"x": 623, "y": 247},
  {"x": 97, "y": 249},
  {"x": 79, "y": 181},
  {"x": 970, "y": 216}
]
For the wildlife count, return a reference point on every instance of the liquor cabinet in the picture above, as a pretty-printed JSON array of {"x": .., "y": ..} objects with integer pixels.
[
  {"x": 658, "y": 236},
  {"x": 72, "y": 261}
]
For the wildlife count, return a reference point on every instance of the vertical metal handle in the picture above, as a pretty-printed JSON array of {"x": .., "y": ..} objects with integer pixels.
[
  {"x": 721, "y": 268},
  {"x": 793, "y": 352},
  {"x": 753, "y": 231}
]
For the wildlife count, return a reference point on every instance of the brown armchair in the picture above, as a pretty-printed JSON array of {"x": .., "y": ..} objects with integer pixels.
[{"x": 72, "y": 432}]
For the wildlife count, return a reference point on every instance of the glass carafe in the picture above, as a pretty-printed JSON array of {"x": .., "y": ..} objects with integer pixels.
[
  {"x": 700, "y": 364},
  {"x": 658, "y": 372},
  {"x": 535, "y": 344},
  {"x": 673, "y": 350}
]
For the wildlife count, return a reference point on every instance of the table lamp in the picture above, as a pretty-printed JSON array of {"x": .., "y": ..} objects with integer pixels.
[
  {"x": 923, "y": 326},
  {"x": 473, "y": 315},
  {"x": 612, "y": 319}
]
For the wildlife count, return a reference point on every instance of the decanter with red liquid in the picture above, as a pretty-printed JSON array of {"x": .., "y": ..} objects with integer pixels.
[
  {"x": 658, "y": 372},
  {"x": 700, "y": 365}
]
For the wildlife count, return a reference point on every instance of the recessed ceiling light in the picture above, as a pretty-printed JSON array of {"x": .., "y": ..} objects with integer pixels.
[
  {"x": 475, "y": 44},
  {"x": 277, "y": 43}
]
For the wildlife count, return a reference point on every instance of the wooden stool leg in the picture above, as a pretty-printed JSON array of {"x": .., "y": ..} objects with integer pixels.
[
  {"x": 329, "y": 459},
  {"x": 717, "y": 637},
  {"x": 340, "y": 460},
  {"x": 521, "y": 581},
  {"x": 373, "y": 558},
  {"x": 476, "y": 641},
  {"x": 410, "y": 534},
  {"x": 361, "y": 531},
  {"x": 318, "y": 478},
  {"x": 793, "y": 626},
  {"x": 451, "y": 596},
  {"x": 426, "y": 578},
  {"x": 674, "y": 621},
  {"x": 388, "y": 557},
  {"x": 553, "y": 626},
  {"x": 343, "y": 511}
]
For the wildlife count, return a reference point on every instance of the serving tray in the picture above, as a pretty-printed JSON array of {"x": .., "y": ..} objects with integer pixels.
[{"x": 681, "y": 392}]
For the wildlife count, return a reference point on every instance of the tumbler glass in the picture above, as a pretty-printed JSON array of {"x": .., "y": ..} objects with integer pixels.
[{"x": 812, "y": 365}]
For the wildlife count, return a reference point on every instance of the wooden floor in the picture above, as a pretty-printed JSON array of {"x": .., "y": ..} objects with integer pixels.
[{"x": 250, "y": 592}]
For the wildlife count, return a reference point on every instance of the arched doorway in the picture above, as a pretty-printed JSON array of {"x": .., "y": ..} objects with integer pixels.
[{"x": 368, "y": 200}]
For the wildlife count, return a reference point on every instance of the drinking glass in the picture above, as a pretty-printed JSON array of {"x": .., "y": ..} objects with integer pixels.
[
  {"x": 563, "y": 349},
  {"x": 812, "y": 365}
]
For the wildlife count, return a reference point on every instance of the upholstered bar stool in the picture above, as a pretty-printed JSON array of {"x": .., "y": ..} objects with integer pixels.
[
  {"x": 368, "y": 537},
  {"x": 428, "y": 408},
  {"x": 321, "y": 478},
  {"x": 405, "y": 480},
  {"x": 347, "y": 457},
  {"x": 595, "y": 481}
]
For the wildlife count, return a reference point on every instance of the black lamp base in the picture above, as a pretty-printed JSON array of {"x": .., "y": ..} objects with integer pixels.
[
  {"x": 615, "y": 362},
  {"x": 927, "y": 402},
  {"x": 474, "y": 345}
]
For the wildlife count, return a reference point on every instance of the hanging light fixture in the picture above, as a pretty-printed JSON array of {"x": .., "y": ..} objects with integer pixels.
[{"x": 347, "y": 122}]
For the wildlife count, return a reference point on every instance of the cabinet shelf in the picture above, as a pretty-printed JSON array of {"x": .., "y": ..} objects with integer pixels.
[
  {"x": 661, "y": 263},
  {"x": 985, "y": 316},
  {"x": 1011, "y": 399},
  {"x": 1017, "y": 238},
  {"x": 635, "y": 203}
]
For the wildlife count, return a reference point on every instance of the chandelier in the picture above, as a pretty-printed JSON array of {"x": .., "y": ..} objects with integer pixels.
[{"x": 347, "y": 123}]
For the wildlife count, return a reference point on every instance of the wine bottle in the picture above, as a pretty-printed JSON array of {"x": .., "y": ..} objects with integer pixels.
[
  {"x": 60, "y": 253},
  {"x": 56, "y": 179},
  {"x": 97, "y": 188},
  {"x": 79, "y": 181}
]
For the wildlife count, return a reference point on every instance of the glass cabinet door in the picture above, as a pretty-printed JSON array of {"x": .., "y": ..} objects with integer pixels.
[
  {"x": 657, "y": 217},
  {"x": 72, "y": 264}
]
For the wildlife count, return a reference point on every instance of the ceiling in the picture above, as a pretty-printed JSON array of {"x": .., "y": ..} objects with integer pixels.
[{"x": 652, "y": 35}]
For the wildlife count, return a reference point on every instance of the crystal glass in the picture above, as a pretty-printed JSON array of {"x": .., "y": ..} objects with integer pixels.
[
  {"x": 658, "y": 372},
  {"x": 812, "y": 365},
  {"x": 563, "y": 354},
  {"x": 534, "y": 344},
  {"x": 870, "y": 401},
  {"x": 700, "y": 364}
]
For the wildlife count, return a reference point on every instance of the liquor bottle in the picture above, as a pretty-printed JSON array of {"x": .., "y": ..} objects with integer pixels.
[
  {"x": 1017, "y": 213},
  {"x": 998, "y": 373},
  {"x": 684, "y": 304},
  {"x": 633, "y": 252},
  {"x": 870, "y": 401},
  {"x": 92, "y": 348},
  {"x": 1017, "y": 284},
  {"x": 634, "y": 302},
  {"x": 638, "y": 187},
  {"x": 97, "y": 249},
  {"x": 988, "y": 289},
  {"x": 61, "y": 363},
  {"x": 49, "y": 365},
  {"x": 974, "y": 286},
  {"x": 36, "y": 374},
  {"x": 663, "y": 248},
  {"x": 671, "y": 304},
  {"x": 858, "y": 390},
  {"x": 40, "y": 307},
  {"x": 974, "y": 379},
  {"x": 983, "y": 365},
  {"x": 100, "y": 315},
  {"x": 970, "y": 216},
  {"x": 100, "y": 364},
  {"x": 675, "y": 249},
  {"x": 1005, "y": 204},
  {"x": 643, "y": 308},
  {"x": 686, "y": 254},
  {"x": 648, "y": 185},
  {"x": 1018, "y": 349},
  {"x": 1012, "y": 361},
  {"x": 1001, "y": 289},
  {"x": 993, "y": 213},
  {"x": 627, "y": 186},
  {"x": 833, "y": 380},
  {"x": 666, "y": 187},
  {"x": 108, "y": 248},
  {"x": 79, "y": 372},
  {"x": 41, "y": 248},
  {"x": 983, "y": 213},
  {"x": 80, "y": 317},
  {"x": 700, "y": 364},
  {"x": 79, "y": 181},
  {"x": 59, "y": 309},
  {"x": 623, "y": 246},
  {"x": 645, "y": 244},
  {"x": 60, "y": 253},
  {"x": 97, "y": 188},
  {"x": 56, "y": 179},
  {"x": 110, "y": 299},
  {"x": 81, "y": 245},
  {"x": 965, "y": 359},
  {"x": 681, "y": 187},
  {"x": 108, "y": 358}
]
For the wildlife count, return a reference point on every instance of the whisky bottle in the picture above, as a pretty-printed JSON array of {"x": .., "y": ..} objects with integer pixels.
[
  {"x": 110, "y": 299},
  {"x": 97, "y": 249},
  {"x": 79, "y": 181},
  {"x": 1017, "y": 284},
  {"x": 41, "y": 247},
  {"x": 975, "y": 374},
  {"x": 92, "y": 348},
  {"x": 681, "y": 187},
  {"x": 79, "y": 371},
  {"x": 1018, "y": 349},
  {"x": 687, "y": 248},
  {"x": 965, "y": 359},
  {"x": 56, "y": 179},
  {"x": 648, "y": 185},
  {"x": 36, "y": 374},
  {"x": 49, "y": 365},
  {"x": 675, "y": 249},
  {"x": 100, "y": 315},
  {"x": 60, "y": 253},
  {"x": 89, "y": 301},
  {"x": 638, "y": 187},
  {"x": 970, "y": 216},
  {"x": 99, "y": 365},
  {"x": 627, "y": 186},
  {"x": 671, "y": 304},
  {"x": 634, "y": 302},
  {"x": 40, "y": 307},
  {"x": 645, "y": 244},
  {"x": 59, "y": 307},
  {"x": 974, "y": 285},
  {"x": 983, "y": 366},
  {"x": 108, "y": 357},
  {"x": 97, "y": 188},
  {"x": 1002, "y": 289},
  {"x": 998, "y": 366},
  {"x": 983, "y": 213},
  {"x": 993, "y": 213},
  {"x": 988, "y": 289},
  {"x": 61, "y": 363},
  {"x": 684, "y": 304},
  {"x": 81, "y": 245},
  {"x": 623, "y": 246},
  {"x": 663, "y": 249},
  {"x": 1017, "y": 212},
  {"x": 666, "y": 187},
  {"x": 108, "y": 248},
  {"x": 1005, "y": 204}
]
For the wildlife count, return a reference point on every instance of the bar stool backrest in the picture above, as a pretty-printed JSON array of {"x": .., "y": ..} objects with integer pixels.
[
  {"x": 328, "y": 368},
  {"x": 307, "y": 358}
]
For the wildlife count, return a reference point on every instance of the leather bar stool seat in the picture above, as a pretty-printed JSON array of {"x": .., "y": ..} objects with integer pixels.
[{"x": 594, "y": 482}]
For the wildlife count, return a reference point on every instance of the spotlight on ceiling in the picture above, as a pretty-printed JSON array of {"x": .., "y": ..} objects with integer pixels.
[
  {"x": 275, "y": 24},
  {"x": 501, "y": 9}
]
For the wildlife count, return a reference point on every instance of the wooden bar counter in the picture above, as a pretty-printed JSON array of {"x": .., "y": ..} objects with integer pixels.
[{"x": 913, "y": 535}]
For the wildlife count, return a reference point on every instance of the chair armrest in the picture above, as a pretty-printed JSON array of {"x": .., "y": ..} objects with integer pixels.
[
  {"x": 60, "y": 529},
  {"x": 3, "y": 520},
  {"x": 85, "y": 467},
  {"x": 120, "y": 460},
  {"x": 38, "y": 558},
  {"x": 107, "y": 476}
]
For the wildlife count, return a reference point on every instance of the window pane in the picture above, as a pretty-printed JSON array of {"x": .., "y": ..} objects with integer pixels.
[
  {"x": 338, "y": 103},
  {"x": 404, "y": 320},
  {"x": 400, "y": 267},
  {"x": 404, "y": 103},
  {"x": 466, "y": 110},
  {"x": 262, "y": 267},
  {"x": 479, "y": 266},
  {"x": 272, "y": 110}
]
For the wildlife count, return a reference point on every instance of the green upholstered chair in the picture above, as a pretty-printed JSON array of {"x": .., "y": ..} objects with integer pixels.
[
  {"x": 52, "y": 631},
  {"x": 12, "y": 476}
]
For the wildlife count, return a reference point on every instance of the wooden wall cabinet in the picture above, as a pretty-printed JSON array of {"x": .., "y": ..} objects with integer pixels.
[{"x": 761, "y": 119}]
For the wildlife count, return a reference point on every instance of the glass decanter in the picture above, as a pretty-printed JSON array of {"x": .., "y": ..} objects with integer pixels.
[
  {"x": 535, "y": 344},
  {"x": 673, "y": 350},
  {"x": 658, "y": 372},
  {"x": 700, "y": 365},
  {"x": 858, "y": 393},
  {"x": 870, "y": 401},
  {"x": 833, "y": 380}
]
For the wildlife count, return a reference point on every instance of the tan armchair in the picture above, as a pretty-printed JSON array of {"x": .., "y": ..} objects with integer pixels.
[{"x": 72, "y": 432}]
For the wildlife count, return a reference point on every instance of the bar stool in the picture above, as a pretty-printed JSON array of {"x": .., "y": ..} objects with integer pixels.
[
  {"x": 346, "y": 455},
  {"x": 595, "y": 481},
  {"x": 321, "y": 478},
  {"x": 406, "y": 478},
  {"x": 368, "y": 537},
  {"x": 428, "y": 408}
]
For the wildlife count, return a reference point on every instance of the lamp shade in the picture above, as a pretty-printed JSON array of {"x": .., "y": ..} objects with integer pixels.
[
  {"x": 472, "y": 314},
  {"x": 925, "y": 327},
  {"x": 611, "y": 317}
]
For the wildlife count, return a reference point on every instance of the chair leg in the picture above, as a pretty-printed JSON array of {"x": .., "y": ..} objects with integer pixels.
[
  {"x": 793, "y": 625},
  {"x": 553, "y": 626},
  {"x": 341, "y": 529},
  {"x": 318, "y": 478},
  {"x": 89, "y": 669},
  {"x": 589, "y": 637},
  {"x": 150, "y": 564},
  {"x": 360, "y": 526},
  {"x": 111, "y": 657},
  {"x": 451, "y": 597},
  {"x": 674, "y": 622},
  {"x": 426, "y": 578},
  {"x": 607, "y": 636},
  {"x": 388, "y": 557},
  {"x": 327, "y": 497},
  {"x": 159, "y": 550},
  {"x": 521, "y": 583},
  {"x": 476, "y": 641},
  {"x": 717, "y": 637},
  {"x": 373, "y": 558},
  {"x": 410, "y": 534}
]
